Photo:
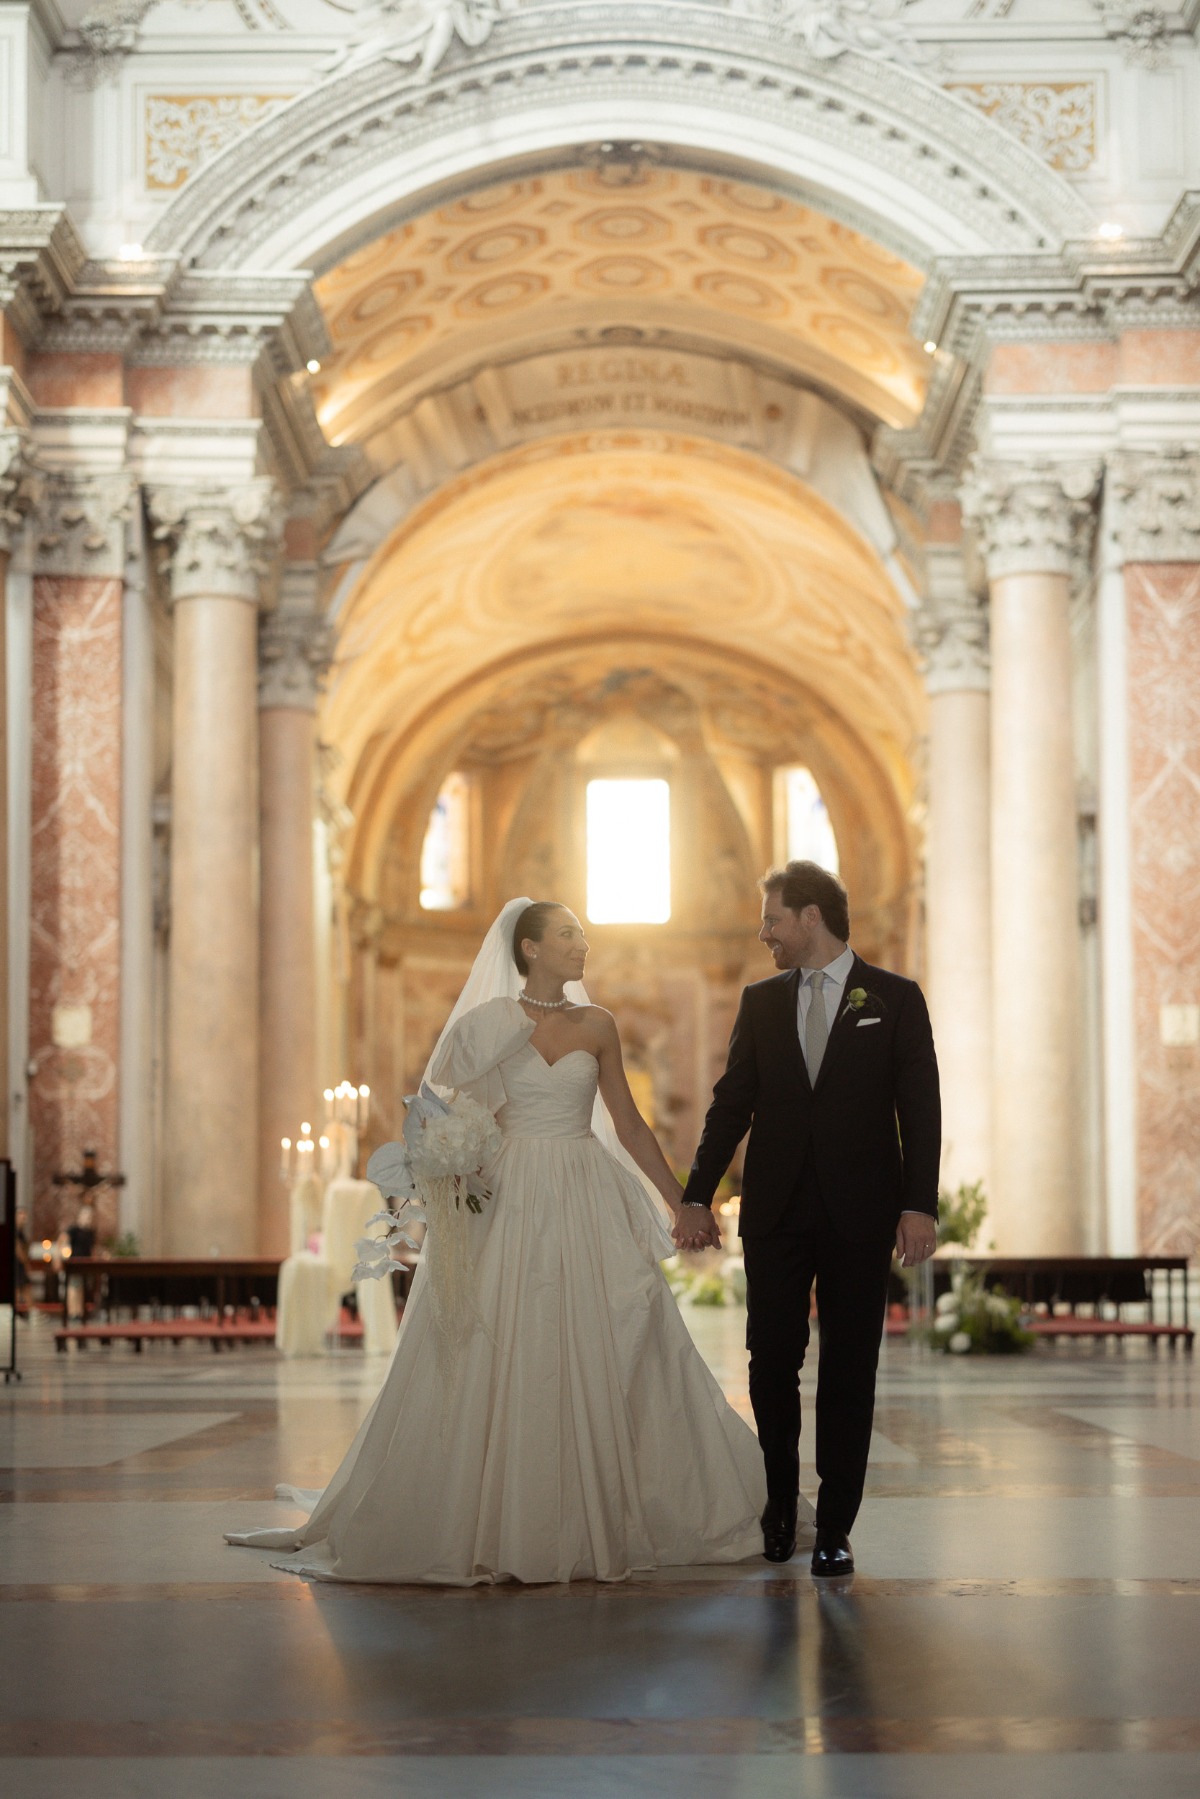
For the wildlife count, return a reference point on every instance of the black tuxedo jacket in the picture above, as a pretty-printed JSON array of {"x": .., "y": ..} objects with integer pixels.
[{"x": 872, "y": 1125}]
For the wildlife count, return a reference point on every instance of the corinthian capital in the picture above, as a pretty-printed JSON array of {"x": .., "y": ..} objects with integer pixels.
[
  {"x": 1032, "y": 518},
  {"x": 18, "y": 485},
  {"x": 952, "y": 639},
  {"x": 294, "y": 652},
  {"x": 80, "y": 521},
  {"x": 222, "y": 541},
  {"x": 1159, "y": 492}
]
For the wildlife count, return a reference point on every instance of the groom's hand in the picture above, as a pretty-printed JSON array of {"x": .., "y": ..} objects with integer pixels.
[
  {"x": 696, "y": 1228},
  {"x": 916, "y": 1238}
]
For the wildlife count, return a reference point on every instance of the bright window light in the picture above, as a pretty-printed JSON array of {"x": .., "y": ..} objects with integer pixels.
[
  {"x": 446, "y": 851},
  {"x": 807, "y": 832},
  {"x": 628, "y": 852}
]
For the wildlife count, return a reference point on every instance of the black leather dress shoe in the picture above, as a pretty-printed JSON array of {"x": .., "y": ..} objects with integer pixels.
[
  {"x": 779, "y": 1531},
  {"x": 832, "y": 1554}
]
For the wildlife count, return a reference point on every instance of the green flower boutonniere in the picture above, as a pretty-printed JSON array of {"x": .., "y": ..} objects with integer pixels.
[{"x": 858, "y": 999}]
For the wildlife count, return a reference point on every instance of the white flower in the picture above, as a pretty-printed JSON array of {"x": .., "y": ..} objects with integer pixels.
[
  {"x": 947, "y": 1303},
  {"x": 947, "y": 1322},
  {"x": 960, "y": 1343}
]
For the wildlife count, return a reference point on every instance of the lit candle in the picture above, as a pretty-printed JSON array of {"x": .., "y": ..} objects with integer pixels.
[
  {"x": 328, "y": 1098},
  {"x": 326, "y": 1158},
  {"x": 363, "y": 1108},
  {"x": 285, "y": 1157}
]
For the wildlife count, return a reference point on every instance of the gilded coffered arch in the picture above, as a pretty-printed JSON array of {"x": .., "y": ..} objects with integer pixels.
[{"x": 673, "y": 256}]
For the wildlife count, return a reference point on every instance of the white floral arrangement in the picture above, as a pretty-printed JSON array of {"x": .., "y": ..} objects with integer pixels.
[
  {"x": 976, "y": 1320},
  {"x": 435, "y": 1172}
]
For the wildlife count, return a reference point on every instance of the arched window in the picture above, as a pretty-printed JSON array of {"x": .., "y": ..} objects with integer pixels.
[
  {"x": 803, "y": 831},
  {"x": 446, "y": 851},
  {"x": 629, "y": 851}
]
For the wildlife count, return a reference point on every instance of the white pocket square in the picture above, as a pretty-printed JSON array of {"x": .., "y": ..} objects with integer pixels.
[{"x": 863, "y": 1022}]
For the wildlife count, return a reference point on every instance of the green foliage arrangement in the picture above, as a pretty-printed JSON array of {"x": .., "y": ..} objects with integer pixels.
[
  {"x": 961, "y": 1214},
  {"x": 127, "y": 1244}
]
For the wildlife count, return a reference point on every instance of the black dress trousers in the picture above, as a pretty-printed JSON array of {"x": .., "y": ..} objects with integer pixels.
[{"x": 851, "y": 1282}]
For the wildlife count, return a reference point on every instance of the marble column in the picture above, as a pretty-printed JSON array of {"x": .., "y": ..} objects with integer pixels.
[
  {"x": 293, "y": 656},
  {"x": 1155, "y": 867},
  {"x": 222, "y": 543},
  {"x": 952, "y": 635},
  {"x": 79, "y": 535},
  {"x": 1034, "y": 522},
  {"x": 12, "y": 480}
]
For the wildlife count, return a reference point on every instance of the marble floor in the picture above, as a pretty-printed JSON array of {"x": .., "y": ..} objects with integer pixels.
[{"x": 1026, "y": 1615}]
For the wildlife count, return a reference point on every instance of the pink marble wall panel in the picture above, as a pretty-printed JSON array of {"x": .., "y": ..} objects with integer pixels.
[
  {"x": 76, "y": 886},
  {"x": 1164, "y": 702}
]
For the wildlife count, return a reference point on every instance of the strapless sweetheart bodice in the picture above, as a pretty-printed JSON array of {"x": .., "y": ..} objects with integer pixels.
[{"x": 548, "y": 1099}]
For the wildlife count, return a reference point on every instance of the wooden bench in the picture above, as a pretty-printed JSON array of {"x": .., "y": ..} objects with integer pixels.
[{"x": 1111, "y": 1327}]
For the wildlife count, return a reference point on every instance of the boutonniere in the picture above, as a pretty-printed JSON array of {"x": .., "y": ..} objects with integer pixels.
[{"x": 857, "y": 1000}]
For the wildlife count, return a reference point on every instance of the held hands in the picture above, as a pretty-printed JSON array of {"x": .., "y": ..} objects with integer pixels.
[
  {"x": 916, "y": 1238},
  {"x": 696, "y": 1228}
]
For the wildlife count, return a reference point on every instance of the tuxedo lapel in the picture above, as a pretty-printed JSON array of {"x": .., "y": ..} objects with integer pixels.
[{"x": 843, "y": 1024}]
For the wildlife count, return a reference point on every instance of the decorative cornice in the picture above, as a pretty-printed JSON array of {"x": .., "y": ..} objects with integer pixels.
[
  {"x": 222, "y": 542},
  {"x": 1032, "y": 518},
  {"x": 79, "y": 522},
  {"x": 1159, "y": 494},
  {"x": 40, "y": 260},
  {"x": 294, "y": 653},
  {"x": 950, "y": 628},
  {"x": 1089, "y": 289}
]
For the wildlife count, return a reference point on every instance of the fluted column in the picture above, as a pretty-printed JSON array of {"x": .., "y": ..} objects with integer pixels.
[
  {"x": 1034, "y": 522},
  {"x": 222, "y": 542},
  {"x": 952, "y": 636},
  {"x": 293, "y": 656}
]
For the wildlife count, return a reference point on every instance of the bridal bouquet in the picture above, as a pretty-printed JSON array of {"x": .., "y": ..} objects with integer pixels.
[{"x": 434, "y": 1172}]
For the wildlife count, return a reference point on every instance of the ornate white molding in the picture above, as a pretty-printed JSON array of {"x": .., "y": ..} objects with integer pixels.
[
  {"x": 1055, "y": 119},
  {"x": 626, "y": 58},
  {"x": 222, "y": 542},
  {"x": 1159, "y": 492},
  {"x": 950, "y": 627},
  {"x": 181, "y": 132},
  {"x": 294, "y": 653},
  {"x": 1142, "y": 28},
  {"x": 79, "y": 522},
  {"x": 1032, "y": 518}
]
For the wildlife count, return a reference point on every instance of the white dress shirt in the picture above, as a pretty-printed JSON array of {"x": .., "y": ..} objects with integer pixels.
[{"x": 836, "y": 976}]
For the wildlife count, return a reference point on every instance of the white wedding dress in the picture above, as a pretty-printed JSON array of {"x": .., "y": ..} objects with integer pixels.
[{"x": 583, "y": 1436}]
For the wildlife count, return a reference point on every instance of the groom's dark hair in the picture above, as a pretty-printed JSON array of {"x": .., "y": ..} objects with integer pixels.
[{"x": 801, "y": 884}]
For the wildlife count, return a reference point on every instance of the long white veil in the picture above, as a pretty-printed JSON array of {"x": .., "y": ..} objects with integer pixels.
[{"x": 494, "y": 975}]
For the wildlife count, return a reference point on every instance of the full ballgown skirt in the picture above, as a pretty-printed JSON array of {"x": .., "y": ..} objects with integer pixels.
[{"x": 583, "y": 1435}]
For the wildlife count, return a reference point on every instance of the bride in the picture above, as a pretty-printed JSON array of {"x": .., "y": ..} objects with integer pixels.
[{"x": 576, "y": 1433}]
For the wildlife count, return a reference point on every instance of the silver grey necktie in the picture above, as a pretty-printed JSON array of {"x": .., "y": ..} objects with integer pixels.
[{"x": 816, "y": 1029}]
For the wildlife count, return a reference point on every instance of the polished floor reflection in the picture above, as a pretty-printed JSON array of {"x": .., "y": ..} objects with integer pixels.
[{"x": 1025, "y": 1615}]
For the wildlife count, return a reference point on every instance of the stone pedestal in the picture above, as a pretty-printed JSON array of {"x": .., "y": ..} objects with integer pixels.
[
  {"x": 222, "y": 542},
  {"x": 1035, "y": 524},
  {"x": 952, "y": 635},
  {"x": 292, "y": 652}
]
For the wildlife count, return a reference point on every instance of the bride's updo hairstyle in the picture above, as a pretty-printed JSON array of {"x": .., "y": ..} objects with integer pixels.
[{"x": 532, "y": 924}]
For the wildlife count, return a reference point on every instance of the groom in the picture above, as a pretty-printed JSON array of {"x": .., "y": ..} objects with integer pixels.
[{"x": 832, "y": 1070}]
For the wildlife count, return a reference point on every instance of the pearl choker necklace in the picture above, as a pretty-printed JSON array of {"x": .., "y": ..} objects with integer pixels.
[{"x": 545, "y": 1005}]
